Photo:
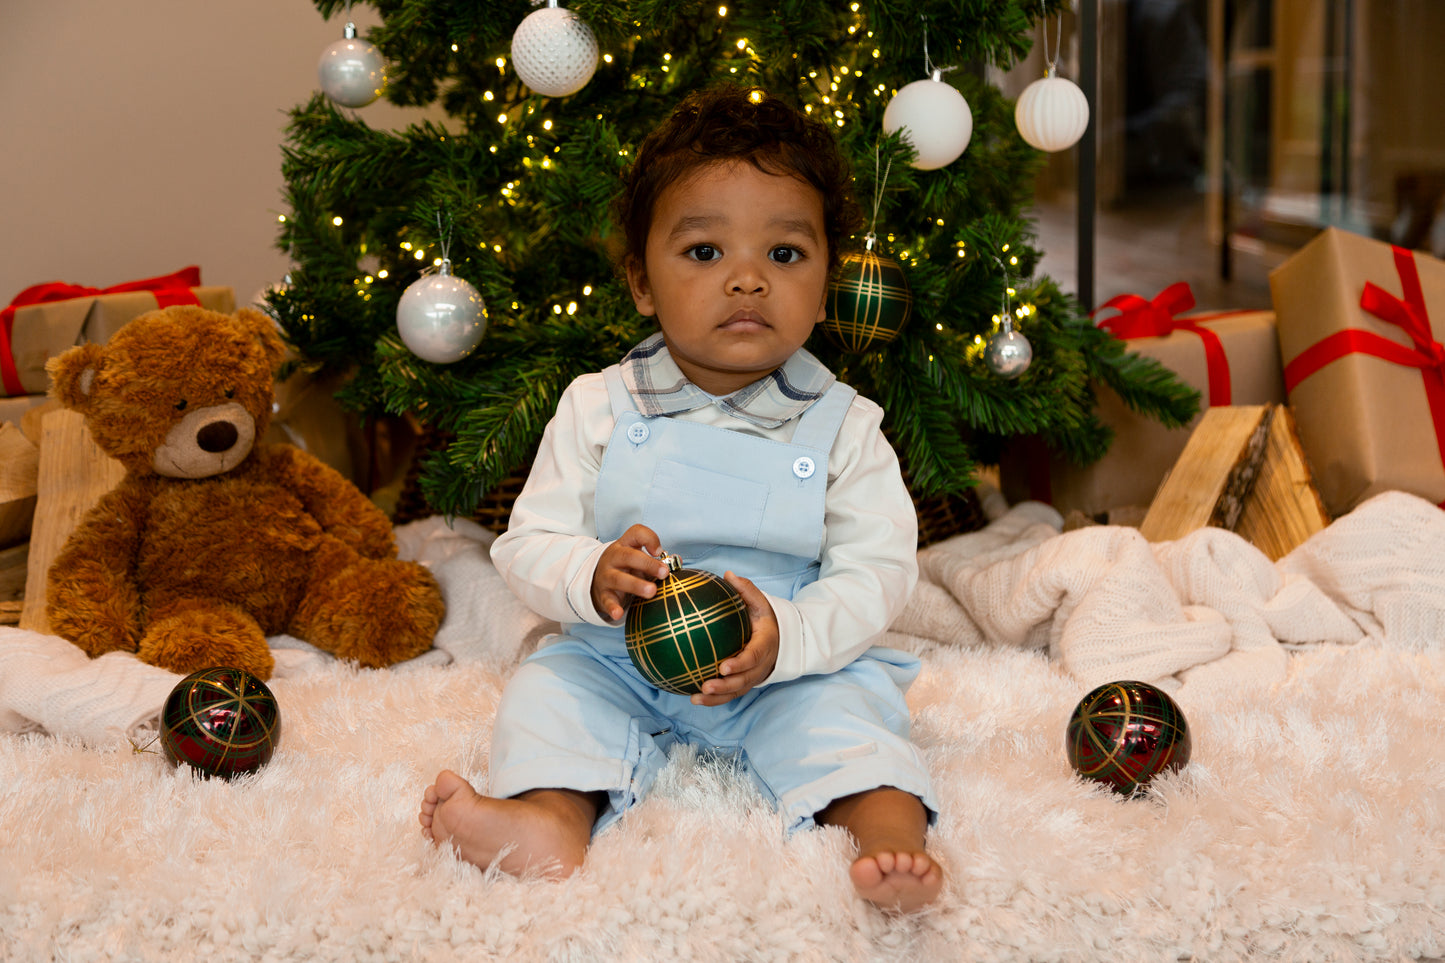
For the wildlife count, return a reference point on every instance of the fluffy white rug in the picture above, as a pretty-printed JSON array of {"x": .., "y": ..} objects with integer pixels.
[{"x": 1309, "y": 826}]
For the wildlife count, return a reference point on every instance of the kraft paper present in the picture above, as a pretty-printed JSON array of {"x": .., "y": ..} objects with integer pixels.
[
  {"x": 44, "y": 320},
  {"x": 1360, "y": 323},
  {"x": 1143, "y": 451}
]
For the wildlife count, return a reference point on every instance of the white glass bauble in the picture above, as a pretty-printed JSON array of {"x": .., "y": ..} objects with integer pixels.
[
  {"x": 554, "y": 51},
  {"x": 935, "y": 120},
  {"x": 352, "y": 72},
  {"x": 1052, "y": 113},
  {"x": 1008, "y": 354},
  {"x": 441, "y": 317}
]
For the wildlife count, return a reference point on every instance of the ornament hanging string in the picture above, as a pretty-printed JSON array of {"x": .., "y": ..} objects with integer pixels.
[
  {"x": 930, "y": 68},
  {"x": 1050, "y": 60},
  {"x": 871, "y": 237},
  {"x": 444, "y": 238},
  {"x": 1005, "y": 317}
]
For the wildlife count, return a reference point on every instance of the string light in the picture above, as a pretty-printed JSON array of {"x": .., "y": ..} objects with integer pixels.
[{"x": 336, "y": 220}]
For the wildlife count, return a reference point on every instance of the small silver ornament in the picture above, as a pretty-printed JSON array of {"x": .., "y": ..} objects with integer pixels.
[
  {"x": 554, "y": 51},
  {"x": 352, "y": 72},
  {"x": 1008, "y": 354},
  {"x": 441, "y": 317}
]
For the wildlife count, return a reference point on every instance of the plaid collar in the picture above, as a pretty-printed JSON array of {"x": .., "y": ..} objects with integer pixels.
[{"x": 659, "y": 387}]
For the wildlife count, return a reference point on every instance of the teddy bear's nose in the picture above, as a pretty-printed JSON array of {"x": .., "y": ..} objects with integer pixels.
[{"x": 217, "y": 436}]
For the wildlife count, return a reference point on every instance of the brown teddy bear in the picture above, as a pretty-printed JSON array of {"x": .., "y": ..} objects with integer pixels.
[{"x": 213, "y": 541}]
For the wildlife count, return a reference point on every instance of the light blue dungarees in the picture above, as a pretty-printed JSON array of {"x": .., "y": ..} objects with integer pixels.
[{"x": 577, "y": 715}]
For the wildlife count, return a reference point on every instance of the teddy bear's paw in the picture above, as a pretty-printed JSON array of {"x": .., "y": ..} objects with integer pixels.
[
  {"x": 196, "y": 637},
  {"x": 374, "y": 612}
]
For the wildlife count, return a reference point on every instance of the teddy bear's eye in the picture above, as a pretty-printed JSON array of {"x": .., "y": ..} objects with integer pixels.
[
  {"x": 181, "y": 405},
  {"x": 230, "y": 392}
]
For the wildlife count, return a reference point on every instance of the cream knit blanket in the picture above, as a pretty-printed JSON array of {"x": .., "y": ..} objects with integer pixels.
[{"x": 1198, "y": 616}]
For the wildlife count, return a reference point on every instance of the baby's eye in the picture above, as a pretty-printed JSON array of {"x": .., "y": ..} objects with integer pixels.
[
  {"x": 785, "y": 254},
  {"x": 702, "y": 252}
]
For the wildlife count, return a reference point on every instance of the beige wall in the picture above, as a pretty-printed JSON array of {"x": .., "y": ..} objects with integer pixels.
[{"x": 142, "y": 136}]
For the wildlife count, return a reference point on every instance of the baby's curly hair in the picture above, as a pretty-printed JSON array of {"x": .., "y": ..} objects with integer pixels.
[{"x": 726, "y": 123}]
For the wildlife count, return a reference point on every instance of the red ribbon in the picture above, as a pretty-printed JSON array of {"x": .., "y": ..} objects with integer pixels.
[
  {"x": 1138, "y": 318},
  {"x": 169, "y": 289},
  {"x": 1407, "y": 313}
]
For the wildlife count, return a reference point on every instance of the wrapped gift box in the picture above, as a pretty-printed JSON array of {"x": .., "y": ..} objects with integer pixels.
[
  {"x": 1363, "y": 365},
  {"x": 44, "y": 320},
  {"x": 1232, "y": 357}
]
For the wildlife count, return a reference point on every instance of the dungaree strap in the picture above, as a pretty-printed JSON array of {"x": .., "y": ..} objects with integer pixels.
[
  {"x": 820, "y": 423},
  {"x": 617, "y": 392}
]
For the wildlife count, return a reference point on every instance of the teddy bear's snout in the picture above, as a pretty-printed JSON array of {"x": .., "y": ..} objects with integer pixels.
[
  {"x": 217, "y": 436},
  {"x": 206, "y": 442}
]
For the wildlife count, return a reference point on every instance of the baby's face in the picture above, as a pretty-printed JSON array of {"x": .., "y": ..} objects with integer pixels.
[{"x": 736, "y": 271}]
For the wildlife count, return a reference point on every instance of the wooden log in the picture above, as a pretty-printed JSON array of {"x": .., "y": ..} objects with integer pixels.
[
  {"x": 19, "y": 466},
  {"x": 1212, "y": 479},
  {"x": 13, "y": 561},
  {"x": 74, "y": 474},
  {"x": 1285, "y": 508}
]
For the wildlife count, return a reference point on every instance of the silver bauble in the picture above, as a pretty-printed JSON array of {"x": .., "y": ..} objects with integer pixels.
[
  {"x": 1008, "y": 354},
  {"x": 554, "y": 51},
  {"x": 352, "y": 72},
  {"x": 441, "y": 317},
  {"x": 935, "y": 119}
]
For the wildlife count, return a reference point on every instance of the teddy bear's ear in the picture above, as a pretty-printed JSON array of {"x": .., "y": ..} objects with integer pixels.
[
  {"x": 72, "y": 373},
  {"x": 260, "y": 326}
]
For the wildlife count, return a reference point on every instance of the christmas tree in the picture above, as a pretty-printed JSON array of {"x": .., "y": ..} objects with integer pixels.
[{"x": 513, "y": 189}]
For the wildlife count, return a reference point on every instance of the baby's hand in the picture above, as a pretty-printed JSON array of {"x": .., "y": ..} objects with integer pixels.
[
  {"x": 755, "y": 662},
  {"x": 625, "y": 570}
]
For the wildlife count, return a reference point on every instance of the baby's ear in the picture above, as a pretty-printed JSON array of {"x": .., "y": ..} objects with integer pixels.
[
  {"x": 72, "y": 374},
  {"x": 638, "y": 284}
]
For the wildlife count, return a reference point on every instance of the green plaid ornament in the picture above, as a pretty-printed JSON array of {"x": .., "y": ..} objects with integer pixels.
[
  {"x": 868, "y": 301},
  {"x": 678, "y": 637}
]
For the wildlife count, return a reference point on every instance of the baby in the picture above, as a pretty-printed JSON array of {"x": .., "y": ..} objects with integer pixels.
[{"x": 722, "y": 440}]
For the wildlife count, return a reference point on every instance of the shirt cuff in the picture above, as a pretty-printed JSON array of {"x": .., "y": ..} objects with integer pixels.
[
  {"x": 789, "y": 665},
  {"x": 579, "y": 591}
]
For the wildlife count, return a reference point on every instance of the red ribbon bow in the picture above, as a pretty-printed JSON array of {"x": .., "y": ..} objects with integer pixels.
[
  {"x": 1138, "y": 318},
  {"x": 169, "y": 289},
  {"x": 1407, "y": 313}
]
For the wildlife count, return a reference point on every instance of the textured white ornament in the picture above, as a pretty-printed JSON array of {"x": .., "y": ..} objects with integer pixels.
[
  {"x": 352, "y": 72},
  {"x": 1052, "y": 113},
  {"x": 441, "y": 317},
  {"x": 554, "y": 51},
  {"x": 1008, "y": 354},
  {"x": 935, "y": 120}
]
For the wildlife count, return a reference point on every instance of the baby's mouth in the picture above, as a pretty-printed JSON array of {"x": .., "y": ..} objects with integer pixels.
[{"x": 745, "y": 321}]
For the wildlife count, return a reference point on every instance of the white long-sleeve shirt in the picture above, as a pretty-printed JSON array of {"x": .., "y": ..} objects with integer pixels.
[{"x": 869, "y": 555}]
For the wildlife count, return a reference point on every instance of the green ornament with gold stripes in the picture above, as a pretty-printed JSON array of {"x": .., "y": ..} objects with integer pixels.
[
  {"x": 868, "y": 300},
  {"x": 679, "y": 637}
]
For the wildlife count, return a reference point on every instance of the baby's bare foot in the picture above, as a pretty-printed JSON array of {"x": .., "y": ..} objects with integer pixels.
[
  {"x": 545, "y": 831},
  {"x": 898, "y": 882}
]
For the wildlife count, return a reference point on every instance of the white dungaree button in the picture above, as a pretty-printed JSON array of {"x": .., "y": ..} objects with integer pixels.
[
  {"x": 637, "y": 433},
  {"x": 804, "y": 467}
]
